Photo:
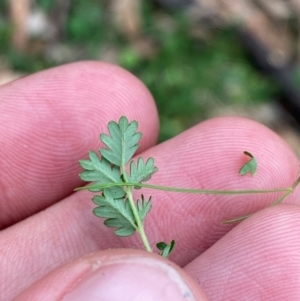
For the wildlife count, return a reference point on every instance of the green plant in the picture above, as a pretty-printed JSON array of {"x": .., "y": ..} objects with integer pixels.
[
  {"x": 116, "y": 183},
  {"x": 191, "y": 77},
  {"x": 188, "y": 76}
]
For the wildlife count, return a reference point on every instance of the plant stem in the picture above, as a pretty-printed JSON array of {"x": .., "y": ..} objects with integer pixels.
[
  {"x": 286, "y": 191},
  {"x": 139, "y": 223},
  {"x": 206, "y": 191},
  {"x": 236, "y": 219},
  {"x": 278, "y": 201},
  {"x": 183, "y": 190},
  {"x": 292, "y": 188}
]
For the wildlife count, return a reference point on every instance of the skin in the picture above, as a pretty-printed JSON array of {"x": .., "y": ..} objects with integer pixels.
[{"x": 52, "y": 244}]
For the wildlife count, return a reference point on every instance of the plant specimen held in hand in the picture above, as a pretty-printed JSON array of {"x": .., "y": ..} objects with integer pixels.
[{"x": 111, "y": 178}]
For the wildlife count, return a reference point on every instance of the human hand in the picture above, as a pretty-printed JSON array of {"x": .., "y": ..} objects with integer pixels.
[{"x": 50, "y": 120}]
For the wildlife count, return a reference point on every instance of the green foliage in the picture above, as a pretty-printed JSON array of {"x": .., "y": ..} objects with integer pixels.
[
  {"x": 143, "y": 207},
  {"x": 187, "y": 76},
  {"x": 5, "y": 34},
  {"x": 86, "y": 23},
  {"x": 5, "y": 27},
  {"x": 3, "y": 6},
  {"x": 122, "y": 142},
  {"x": 101, "y": 172},
  {"x": 250, "y": 166},
  {"x": 117, "y": 212},
  {"x": 27, "y": 62},
  {"x": 116, "y": 204},
  {"x": 47, "y": 5},
  {"x": 141, "y": 171}
]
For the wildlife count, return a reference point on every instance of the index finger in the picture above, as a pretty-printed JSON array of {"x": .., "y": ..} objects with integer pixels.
[{"x": 51, "y": 119}]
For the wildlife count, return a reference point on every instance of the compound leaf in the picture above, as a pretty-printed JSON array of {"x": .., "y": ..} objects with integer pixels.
[
  {"x": 101, "y": 172},
  {"x": 117, "y": 212},
  {"x": 116, "y": 204},
  {"x": 141, "y": 171},
  {"x": 122, "y": 142}
]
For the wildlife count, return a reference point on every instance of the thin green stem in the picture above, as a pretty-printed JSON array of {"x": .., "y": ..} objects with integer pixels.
[
  {"x": 183, "y": 190},
  {"x": 281, "y": 199},
  {"x": 278, "y": 201},
  {"x": 286, "y": 191},
  {"x": 236, "y": 219},
  {"x": 139, "y": 223}
]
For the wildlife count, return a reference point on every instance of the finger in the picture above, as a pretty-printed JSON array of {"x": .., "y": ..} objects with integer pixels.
[
  {"x": 258, "y": 260},
  {"x": 51, "y": 119},
  {"x": 209, "y": 156},
  {"x": 68, "y": 229},
  {"x": 116, "y": 275}
]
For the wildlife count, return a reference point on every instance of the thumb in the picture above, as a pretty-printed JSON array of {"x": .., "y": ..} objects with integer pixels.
[{"x": 116, "y": 275}]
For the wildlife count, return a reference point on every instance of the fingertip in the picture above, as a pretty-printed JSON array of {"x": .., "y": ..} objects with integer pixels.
[
  {"x": 108, "y": 89},
  {"x": 277, "y": 163},
  {"x": 217, "y": 147},
  {"x": 52, "y": 119},
  {"x": 209, "y": 157},
  {"x": 116, "y": 275},
  {"x": 263, "y": 249}
]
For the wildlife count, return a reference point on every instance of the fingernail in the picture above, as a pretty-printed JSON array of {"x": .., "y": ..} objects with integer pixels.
[{"x": 135, "y": 278}]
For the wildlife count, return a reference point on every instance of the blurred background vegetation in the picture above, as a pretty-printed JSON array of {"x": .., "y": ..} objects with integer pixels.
[{"x": 191, "y": 74}]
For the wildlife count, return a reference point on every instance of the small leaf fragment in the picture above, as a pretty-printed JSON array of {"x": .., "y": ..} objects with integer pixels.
[
  {"x": 250, "y": 166},
  {"x": 165, "y": 248}
]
